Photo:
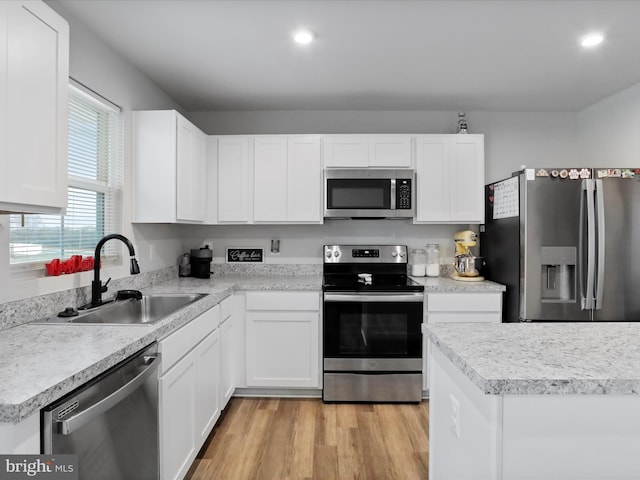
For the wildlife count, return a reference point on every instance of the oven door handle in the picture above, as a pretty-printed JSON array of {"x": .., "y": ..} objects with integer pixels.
[{"x": 372, "y": 297}]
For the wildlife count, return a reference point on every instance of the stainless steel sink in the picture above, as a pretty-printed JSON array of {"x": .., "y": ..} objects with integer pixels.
[{"x": 146, "y": 311}]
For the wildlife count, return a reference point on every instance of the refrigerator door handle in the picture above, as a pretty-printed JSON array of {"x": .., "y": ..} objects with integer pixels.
[
  {"x": 599, "y": 281},
  {"x": 588, "y": 199}
]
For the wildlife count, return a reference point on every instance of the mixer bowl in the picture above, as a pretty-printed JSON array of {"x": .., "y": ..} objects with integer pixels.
[{"x": 468, "y": 266}]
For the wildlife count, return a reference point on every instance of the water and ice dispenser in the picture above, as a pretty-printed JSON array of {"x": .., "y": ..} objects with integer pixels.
[{"x": 558, "y": 274}]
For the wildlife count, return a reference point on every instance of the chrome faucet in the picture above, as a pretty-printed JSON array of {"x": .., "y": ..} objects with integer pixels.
[{"x": 97, "y": 289}]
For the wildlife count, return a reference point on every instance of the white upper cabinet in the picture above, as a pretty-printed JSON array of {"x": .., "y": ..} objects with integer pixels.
[
  {"x": 354, "y": 151},
  {"x": 287, "y": 179},
  {"x": 304, "y": 178},
  {"x": 449, "y": 179},
  {"x": 233, "y": 179},
  {"x": 390, "y": 151},
  {"x": 169, "y": 169},
  {"x": 191, "y": 169},
  {"x": 270, "y": 179},
  {"x": 34, "y": 83}
]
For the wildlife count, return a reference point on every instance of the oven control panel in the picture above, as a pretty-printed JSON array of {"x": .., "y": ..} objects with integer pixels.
[
  {"x": 365, "y": 254},
  {"x": 362, "y": 253}
]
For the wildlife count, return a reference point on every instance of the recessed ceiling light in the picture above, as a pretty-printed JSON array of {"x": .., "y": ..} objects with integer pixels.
[
  {"x": 303, "y": 37},
  {"x": 591, "y": 40}
]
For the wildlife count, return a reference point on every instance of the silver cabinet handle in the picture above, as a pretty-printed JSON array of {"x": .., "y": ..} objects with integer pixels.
[
  {"x": 74, "y": 422},
  {"x": 383, "y": 297}
]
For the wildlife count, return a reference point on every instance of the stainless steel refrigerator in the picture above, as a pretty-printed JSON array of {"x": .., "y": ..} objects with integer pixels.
[{"x": 565, "y": 242}]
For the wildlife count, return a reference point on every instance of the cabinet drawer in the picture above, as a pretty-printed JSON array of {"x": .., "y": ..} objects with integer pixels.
[
  {"x": 464, "y": 302},
  {"x": 227, "y": 307},
  {"x": 283, "y": 301},
  {"x": 179, "y": 343}
]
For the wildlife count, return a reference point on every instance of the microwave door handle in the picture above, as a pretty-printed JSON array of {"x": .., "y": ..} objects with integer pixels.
[{"x": 393, "y": 194}]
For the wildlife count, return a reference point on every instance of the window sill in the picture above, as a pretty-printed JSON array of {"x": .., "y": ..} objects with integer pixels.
[{"x": 33, "y": 270}]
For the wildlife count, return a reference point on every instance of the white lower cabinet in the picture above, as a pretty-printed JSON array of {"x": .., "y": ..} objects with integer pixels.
[
  {"x": 177, "y": 418},
  {"x": 484, "y": 307},
  {"x": 282, "y": 339},
  {"x": 188, "y": 387},
  {"x": 228, "y": 334}
]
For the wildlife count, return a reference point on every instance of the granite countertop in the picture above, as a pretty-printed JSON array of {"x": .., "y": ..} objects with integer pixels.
[
  {"x": 445, "y": 284},
  {"x": 544, "y": 358},
  {"x": 41, "y": 363}
]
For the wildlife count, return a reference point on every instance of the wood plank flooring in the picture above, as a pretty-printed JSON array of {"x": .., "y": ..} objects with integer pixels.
[{"x": 303, "y": 439}]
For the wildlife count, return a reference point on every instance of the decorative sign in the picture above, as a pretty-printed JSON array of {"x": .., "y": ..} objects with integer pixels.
[{"x": 244, "y": 255}]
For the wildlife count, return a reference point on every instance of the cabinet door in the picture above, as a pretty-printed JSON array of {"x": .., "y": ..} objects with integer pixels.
[
  {"x": 433, "y": 187},
  {"x": 467, "y": 179},
  {"x": 346, "y": 151},
  {"x": 392, "y": 151},
  {"x": 207, "y": 404},
  {"x": 177, "y": 417},
  {"x": 190, "y": 172},
  {"x": 233, "y": 179},
  {"x": 227, "y": 381},
  {"x": 282, "y": 349},
  {"x": 270, "y": 179},
  {"x": 36, "y": 109},
  {"x": 304, "y": 172}
]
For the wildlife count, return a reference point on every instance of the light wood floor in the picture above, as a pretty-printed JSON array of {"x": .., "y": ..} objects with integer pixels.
[{"x": 300, "y": 439}]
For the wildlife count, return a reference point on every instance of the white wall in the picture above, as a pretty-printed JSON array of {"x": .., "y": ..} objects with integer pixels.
[
  {"x": 303, "y": 243},
  {"x": 610, "y": 130},
  {"x": 101, "y": 69},
  {"x": 511, "y": 138}
]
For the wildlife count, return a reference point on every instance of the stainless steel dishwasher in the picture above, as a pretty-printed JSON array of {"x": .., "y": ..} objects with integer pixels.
[{"x": 111, "y": 423}]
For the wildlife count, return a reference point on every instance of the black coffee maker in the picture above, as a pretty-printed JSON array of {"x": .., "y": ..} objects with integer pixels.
[{"x": 201, "y": 262}]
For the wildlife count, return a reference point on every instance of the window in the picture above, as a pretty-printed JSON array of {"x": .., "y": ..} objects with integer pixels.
[{"x": 95, "y": 189}]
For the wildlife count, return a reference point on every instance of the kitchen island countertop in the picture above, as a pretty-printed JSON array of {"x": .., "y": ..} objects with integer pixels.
[{"x": 544, "y": 358}]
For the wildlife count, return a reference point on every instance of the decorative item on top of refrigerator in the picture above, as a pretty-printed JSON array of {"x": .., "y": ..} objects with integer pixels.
[{"x": 563, "y": 241}]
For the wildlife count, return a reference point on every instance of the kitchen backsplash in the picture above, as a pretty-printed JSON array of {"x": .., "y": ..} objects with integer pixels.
[{"x": 266, "y": 269}]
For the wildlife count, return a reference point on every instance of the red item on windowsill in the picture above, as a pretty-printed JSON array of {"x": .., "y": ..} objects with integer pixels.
[{"x": 72, "y": 265}]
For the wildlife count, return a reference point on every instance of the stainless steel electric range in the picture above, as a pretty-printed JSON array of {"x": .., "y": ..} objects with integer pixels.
[{"x": 372, "y": 340}]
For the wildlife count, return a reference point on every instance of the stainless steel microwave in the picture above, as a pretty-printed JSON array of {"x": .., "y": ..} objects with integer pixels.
[{"x": 368, "y": 193}]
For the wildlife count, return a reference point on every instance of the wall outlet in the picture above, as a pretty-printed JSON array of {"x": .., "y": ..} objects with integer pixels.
[
  {"x": 455, "y": 416},
  {"x": 275, "y": 246}
]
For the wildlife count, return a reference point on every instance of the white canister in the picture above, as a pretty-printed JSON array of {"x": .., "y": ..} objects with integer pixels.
[
  {"x": 432, "y": 260},
  {"x": 418, "y": 263}
]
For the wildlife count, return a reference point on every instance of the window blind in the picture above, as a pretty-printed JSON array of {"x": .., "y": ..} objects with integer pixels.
[{"x": 95, "y": 165}]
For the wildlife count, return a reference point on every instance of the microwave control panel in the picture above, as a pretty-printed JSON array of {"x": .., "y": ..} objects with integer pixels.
[{"x": 403, "y": 194}]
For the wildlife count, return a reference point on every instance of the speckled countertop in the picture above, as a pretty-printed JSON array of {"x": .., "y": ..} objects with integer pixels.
[
  {"x": 444, "y": 284},
  {"x": 41, "y": 363},
  {"x": 544, "y": 358}
]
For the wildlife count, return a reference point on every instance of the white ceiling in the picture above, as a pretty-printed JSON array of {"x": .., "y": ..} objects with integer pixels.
[{"x": 374, "y": 55}]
